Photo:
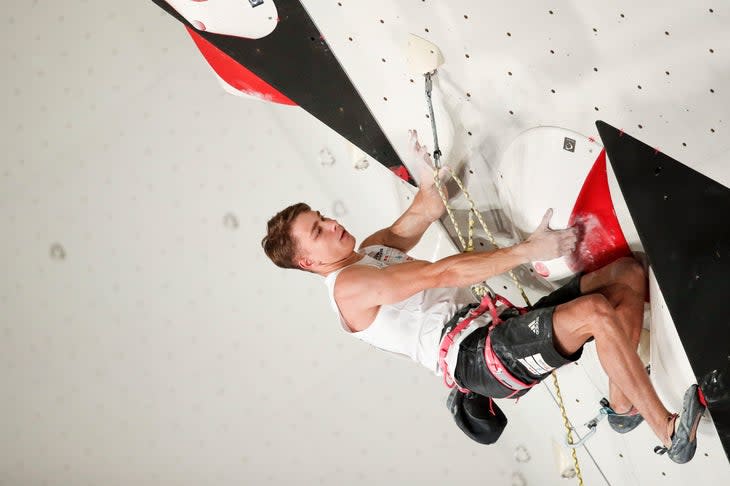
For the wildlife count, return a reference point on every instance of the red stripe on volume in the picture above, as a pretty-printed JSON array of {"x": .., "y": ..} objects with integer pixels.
[
  {"x": 235, "y": 74},
  {"x": 701, "y": 397},
  {"x": 601, "y": 239},
  {"x": 401, "y": 172}
]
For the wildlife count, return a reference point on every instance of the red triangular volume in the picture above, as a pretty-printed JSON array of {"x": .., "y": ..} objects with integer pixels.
[
  {"x": 602, "y": 240},
  {"x": 235, "y": 74},
  {"x": 296, "y": 59}
]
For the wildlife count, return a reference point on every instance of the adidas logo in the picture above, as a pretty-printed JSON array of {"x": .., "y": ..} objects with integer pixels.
[{"x": 535, "y": 326}]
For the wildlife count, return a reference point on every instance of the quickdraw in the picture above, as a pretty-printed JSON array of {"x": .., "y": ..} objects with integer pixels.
[{"x": 591, "y": 425}]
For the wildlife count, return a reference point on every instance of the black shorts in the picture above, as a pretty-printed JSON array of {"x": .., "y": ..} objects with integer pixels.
[{"x": 523, "y": 343}]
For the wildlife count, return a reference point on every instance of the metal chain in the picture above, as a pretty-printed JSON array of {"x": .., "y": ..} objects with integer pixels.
[{"x": 481, "y": 289}]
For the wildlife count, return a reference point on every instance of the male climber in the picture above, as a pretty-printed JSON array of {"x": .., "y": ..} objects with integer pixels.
[{"x": 388, "y": 299}]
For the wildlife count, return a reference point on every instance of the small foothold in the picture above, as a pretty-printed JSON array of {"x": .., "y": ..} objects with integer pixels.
[
  {"x": 339, "y": 208},
  {"x": 230, "y": 221},
  {"x": 518, "y": 479},
  {"x": 326, "y": 158},
  {"x": 362, "y": 164},
  {"x": 58, "y": 252},
  {"x": 521, "y": 454}
]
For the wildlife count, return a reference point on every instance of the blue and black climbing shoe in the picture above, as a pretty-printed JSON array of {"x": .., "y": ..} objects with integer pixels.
[
  {"x": 684, "y": 439},
  {"x": 622, "y": 422}
]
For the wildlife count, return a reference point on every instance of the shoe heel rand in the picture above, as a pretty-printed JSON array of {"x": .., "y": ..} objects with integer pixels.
[{"x": 701, "y": 397}]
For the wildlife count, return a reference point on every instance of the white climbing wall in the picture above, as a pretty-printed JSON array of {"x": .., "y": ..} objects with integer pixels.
[{"x": 144, "y": 337}]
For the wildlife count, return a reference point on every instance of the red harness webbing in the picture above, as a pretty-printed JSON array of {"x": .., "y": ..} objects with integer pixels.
[{"x": 494, "y": 365}]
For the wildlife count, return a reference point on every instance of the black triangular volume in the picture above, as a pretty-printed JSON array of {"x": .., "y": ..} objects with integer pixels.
[
  {"x": 683, "y": 220},
  {"x": 297, "y": 61}
]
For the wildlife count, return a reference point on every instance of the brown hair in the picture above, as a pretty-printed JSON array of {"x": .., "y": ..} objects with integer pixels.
[{"x": 278, "y": 243}]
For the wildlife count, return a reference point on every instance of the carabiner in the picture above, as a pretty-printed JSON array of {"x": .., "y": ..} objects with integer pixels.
[{"x": 592, "y": 425}]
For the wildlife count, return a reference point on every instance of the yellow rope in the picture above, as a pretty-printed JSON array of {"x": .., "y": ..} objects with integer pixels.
[
  {"x": 472, "y": 210},
  {"x": 567, "y": 428},
  {"x": 481, "y": 289}
]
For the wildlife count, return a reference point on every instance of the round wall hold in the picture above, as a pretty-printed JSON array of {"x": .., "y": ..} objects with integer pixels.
[
  {"x": 521, "y": 454},
  {"x": 361, "y": 164},
  {"x": 58, "y": 252},
  {"x": 326, "y": 158},
  {"x": 359, "y": 158},
  {"x": 339, "y": 209},
  {"x": 230, "y": 221},
  {"x": 518, "y": 479}
]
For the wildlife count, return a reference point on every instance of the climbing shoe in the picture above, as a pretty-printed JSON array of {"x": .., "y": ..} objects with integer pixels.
[
  {"x": 684, "y": 439},
  {"x": 624, "y": 422},
  {"x": 621, "y": 422}
]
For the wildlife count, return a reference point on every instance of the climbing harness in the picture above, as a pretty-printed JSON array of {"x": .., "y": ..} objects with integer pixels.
[
  {"x": 483, "y": 291},
  {"x": 494, "y": 365}
]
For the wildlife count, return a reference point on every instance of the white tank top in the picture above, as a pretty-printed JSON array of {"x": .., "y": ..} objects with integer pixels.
[{"x": 413, "y": 326}]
